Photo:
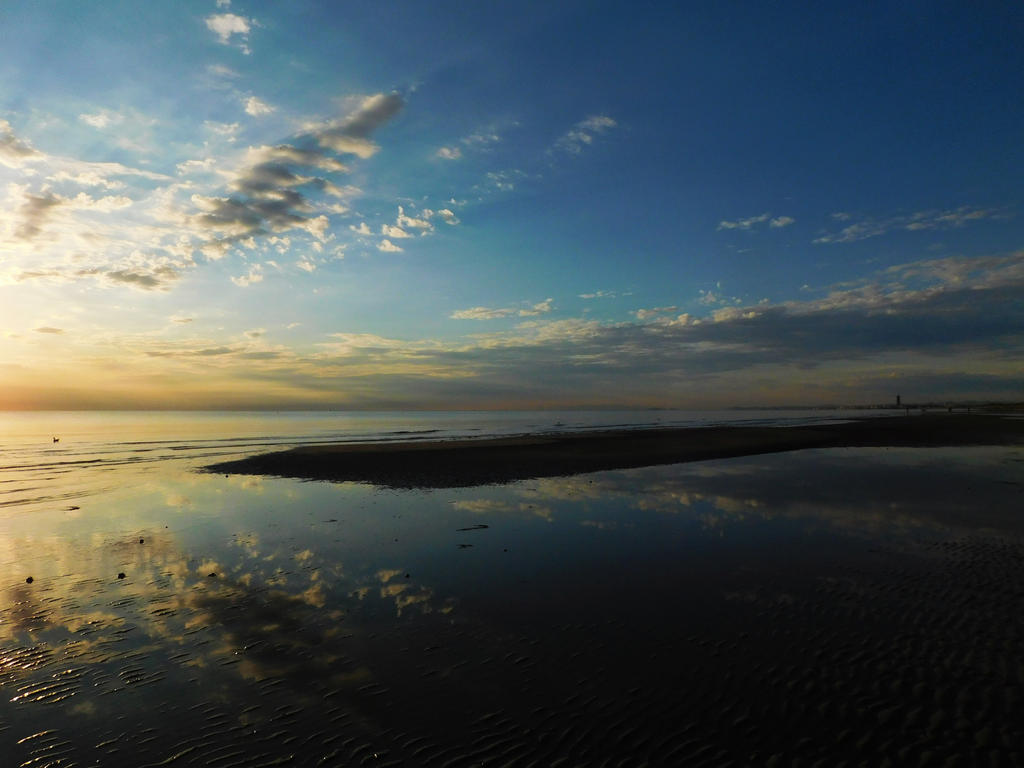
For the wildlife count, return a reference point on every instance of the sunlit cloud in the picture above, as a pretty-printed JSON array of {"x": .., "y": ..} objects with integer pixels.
[
  {"x": 14, "y": 152},
  {"x": 254, "y": 275},
  {"x": 257, "y": 107},
  {"x": 226, "y": 26},
  {"x": 102, "y": 119},
  {"x": 485, "y": 313},
  {"x": 351, "y": 134}
]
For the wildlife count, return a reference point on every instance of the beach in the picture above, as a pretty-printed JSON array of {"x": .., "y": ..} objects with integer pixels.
[{"x": 821, "y": 594}]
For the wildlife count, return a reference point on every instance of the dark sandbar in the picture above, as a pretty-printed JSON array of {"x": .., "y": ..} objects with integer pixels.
[{"x": 458, "y": 463}]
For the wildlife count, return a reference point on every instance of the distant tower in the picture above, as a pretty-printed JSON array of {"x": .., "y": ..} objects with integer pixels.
[{"x": 897, "y": 401}]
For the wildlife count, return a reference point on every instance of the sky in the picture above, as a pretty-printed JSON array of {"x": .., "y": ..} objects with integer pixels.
[{"x": 397, "y": 205}]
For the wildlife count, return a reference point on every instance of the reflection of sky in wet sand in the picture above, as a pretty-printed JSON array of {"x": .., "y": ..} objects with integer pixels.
[{"x": 263, "y": 618}]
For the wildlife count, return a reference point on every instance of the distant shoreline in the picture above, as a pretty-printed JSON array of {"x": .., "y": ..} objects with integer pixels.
[{"x": 484, "y": 461}]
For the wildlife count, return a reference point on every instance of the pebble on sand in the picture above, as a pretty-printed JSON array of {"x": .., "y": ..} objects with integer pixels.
[
  {"x": 29, "y": 580},
  {"x": 120, "y": 575}
]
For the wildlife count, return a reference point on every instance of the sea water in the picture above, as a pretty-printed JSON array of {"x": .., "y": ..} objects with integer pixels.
[{"x": 47, "y": 456}]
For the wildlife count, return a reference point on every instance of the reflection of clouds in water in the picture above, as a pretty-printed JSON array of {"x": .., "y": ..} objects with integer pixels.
[
  {"x": 604, "y": 525},
  {"x": 496, "y": 507},
  {"x": 856, "y": 490},
  {"x": 407, "y": 596},
  {"x": 256, "y": 616}
]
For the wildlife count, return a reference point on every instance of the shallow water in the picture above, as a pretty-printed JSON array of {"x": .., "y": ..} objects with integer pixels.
[
  {"x": 47, "y": 457},
  {"x": 722, "y": 610}
]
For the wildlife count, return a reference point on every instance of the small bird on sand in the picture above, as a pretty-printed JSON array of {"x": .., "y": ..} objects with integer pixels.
[{"x": 56, "y": 439}]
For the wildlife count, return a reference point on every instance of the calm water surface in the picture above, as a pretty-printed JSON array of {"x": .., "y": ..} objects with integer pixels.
[{"x": 264, "y": 621}]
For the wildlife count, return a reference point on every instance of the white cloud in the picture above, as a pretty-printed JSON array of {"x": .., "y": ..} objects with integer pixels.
[
  {"x": 254, "y": 275},
  {"x": 362, "y": 229},
  {"x": 480, "y": 139},
  {"x": 388, "y": 247},
  {"x": 317, "y": 227},
  {"x": 449, "y": 153},
  {"x": 87, "y": 179},
  {"x": 541, "y": 308},
  {"x": 257, "y": 107},
  {"x": 101, "y": 119},
  {"x": 219, "y": 71},
  {"x": 412, "y": 222},
  {"x": 582, "y": 134},
  {"x": 196, "y": 166},
  {"x": 503, "y": 180},
  {"x": 781, "y": 221},
  {"x": 744, "y": 223},
  {"x": 646, "y": 314},
  {"x": 598, "y": 295},
  {"x": 396, "y": 232},
  {"x": 226, "y": 25},
  {"x": 448, "y": 217},
  {"x": 487, "y": 313},
  {"x": 481, "y": 313},
  {"x": 228, "y": 131}
]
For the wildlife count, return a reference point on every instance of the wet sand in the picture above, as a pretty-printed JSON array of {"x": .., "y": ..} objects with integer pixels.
[{"x": 462, "y": 463}]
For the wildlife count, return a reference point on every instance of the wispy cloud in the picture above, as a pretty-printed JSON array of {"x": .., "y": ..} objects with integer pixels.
[
  {"x": 921, "y": 220},
  {"x": 602, "y": 295},
  {"x": 101, "y": 119},
  {"x": 651, "y": 312},
  {"x": 473, "y": 142},
  {"x": 753, "y": 222},
  {"x": 486, "y": 313},
  {"x": 583, "y": 133}
]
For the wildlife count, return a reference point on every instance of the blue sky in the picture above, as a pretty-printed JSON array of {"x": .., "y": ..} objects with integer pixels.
[{"x": 454, "y": 205}]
